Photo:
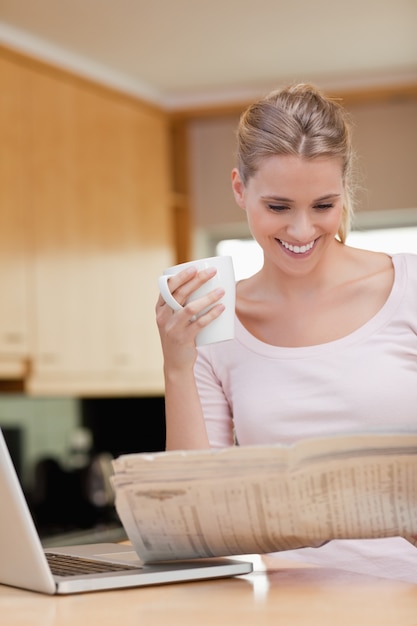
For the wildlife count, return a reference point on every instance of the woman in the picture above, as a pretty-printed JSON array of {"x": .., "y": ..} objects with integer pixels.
[{"x": 326, "y": 334}]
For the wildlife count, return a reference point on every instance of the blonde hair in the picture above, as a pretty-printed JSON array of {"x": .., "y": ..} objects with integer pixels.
[{"x": 297, "y": 120}]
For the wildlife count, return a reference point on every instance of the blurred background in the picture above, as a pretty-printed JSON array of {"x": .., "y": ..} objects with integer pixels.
[{"x": 117, "y": 124}]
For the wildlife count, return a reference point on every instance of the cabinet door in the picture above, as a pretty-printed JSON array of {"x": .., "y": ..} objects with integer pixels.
[
  {"x": 102, "y": 235},
  {"x": 14, "y": 220}
]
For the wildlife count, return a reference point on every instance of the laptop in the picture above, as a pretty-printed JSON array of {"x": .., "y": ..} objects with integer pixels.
[{"x": 26, "y": 564}]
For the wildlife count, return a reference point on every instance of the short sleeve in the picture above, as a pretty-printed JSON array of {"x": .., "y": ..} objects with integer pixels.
[{"x": 216, "y": 409}]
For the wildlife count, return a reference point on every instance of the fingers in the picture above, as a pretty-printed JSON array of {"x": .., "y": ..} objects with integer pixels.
[
  {"x": 179, "y": 328},
  {"x": 183, "y": 284},
  {"x": 175, "y": 282},
  {"x": 201, "y": 310},
  {"x": 178, "y": 332}
]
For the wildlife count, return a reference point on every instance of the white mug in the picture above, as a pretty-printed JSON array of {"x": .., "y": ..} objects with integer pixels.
[{"x": 223, "y": 327}]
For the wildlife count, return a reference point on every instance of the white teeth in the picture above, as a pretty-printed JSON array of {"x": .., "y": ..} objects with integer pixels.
[{"x": 297, "y": 249}]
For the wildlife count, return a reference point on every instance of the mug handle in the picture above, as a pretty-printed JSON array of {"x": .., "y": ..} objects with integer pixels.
[{"x": 166, "y": 294}]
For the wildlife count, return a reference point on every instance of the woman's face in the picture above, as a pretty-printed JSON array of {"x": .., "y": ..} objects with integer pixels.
[{"x": 294, "y": 208}]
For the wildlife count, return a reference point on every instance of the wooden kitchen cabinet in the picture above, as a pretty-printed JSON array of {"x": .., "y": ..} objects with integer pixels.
[
  {"x": 102, "y": 236},
  {"x": 100, "y": 233},
  {"x": 14, "y": 222}
]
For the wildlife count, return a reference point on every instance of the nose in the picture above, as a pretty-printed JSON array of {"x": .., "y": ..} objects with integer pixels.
[{"x": 300, "y": 228}]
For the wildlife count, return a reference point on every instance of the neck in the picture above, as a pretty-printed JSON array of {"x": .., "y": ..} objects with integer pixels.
[{"x": 273, "y": 281}]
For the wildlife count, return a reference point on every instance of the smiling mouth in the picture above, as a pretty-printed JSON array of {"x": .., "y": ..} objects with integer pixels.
[{"x": 297, "y": 249}]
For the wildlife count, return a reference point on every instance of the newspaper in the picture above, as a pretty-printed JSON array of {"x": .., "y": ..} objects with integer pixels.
[{"x": 260, "y": 499}]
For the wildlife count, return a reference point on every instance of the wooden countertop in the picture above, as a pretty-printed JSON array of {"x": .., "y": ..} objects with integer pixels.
[{"x": 277, "y": 592}]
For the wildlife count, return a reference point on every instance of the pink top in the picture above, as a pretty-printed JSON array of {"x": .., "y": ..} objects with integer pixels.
[{"x": 366, "y": 381}]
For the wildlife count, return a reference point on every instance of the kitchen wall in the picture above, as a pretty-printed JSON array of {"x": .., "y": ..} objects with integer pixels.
[{"x": 385, "y": 141}]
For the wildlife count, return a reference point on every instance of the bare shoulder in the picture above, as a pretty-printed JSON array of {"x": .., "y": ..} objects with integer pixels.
[
  {"x": 366, "y": 265},
  {"x": 368, "y": 281}
]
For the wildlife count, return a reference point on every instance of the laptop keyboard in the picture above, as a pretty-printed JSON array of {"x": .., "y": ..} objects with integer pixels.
[{"x": 67, "y": 565}]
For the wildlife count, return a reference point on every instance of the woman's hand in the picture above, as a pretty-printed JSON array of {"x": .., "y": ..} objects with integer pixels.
[
  {"x": 185, "y": 426},
  {"x": 178, "y": 329}
]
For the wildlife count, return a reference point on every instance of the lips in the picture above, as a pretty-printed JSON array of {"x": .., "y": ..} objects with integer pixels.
[{"x": 297, "y": 249}]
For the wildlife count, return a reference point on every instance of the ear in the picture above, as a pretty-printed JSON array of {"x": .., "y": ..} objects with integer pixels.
[{"x": 238, "y": 188}]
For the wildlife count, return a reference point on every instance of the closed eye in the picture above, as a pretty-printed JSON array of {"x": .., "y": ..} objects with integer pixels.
[
  {"x": 278, "y": 207},
  {"x": 323, "y": 206}
]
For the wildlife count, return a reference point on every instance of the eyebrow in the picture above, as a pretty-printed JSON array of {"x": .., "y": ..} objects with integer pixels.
[{"x": 328, "y": 196}]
